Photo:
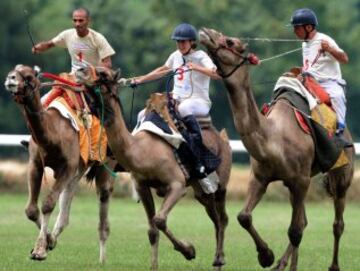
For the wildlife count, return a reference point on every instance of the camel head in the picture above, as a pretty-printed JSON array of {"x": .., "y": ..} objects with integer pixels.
[
  {"x": 228, "y": 53},
  {"x": 104, "y": 78},
  {"x": 22, "y": 82}
]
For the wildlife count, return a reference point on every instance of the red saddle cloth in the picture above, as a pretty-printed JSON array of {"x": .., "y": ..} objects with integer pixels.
[{"x": 316, "y": 90}]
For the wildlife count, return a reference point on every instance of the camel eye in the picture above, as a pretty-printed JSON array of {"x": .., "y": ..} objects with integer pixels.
[{"x": 229, "y": 43}]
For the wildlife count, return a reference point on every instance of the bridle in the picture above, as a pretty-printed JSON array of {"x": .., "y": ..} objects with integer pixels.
[
  {"x": 224, "y": 46},
  {"x": 21, "y": 98}
]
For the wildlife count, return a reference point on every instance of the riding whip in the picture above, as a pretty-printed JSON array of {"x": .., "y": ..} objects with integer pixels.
[{"x": 28, "y": 27}]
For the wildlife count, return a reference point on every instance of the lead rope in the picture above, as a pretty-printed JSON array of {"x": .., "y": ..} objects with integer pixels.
[{"x": 111, "y": 172}]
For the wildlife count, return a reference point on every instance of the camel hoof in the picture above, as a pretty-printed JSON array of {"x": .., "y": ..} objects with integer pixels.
[
  {"x": 219, "y": 261},
  {"x": 334, "y": 268},
  {"x": 266, "y": 258},
  {"x": 38, "y": 256},
  {"x": 187, "y": 250},
  {"x": 51, "y": 242}
]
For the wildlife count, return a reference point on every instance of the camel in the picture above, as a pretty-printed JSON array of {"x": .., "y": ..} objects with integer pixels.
[
  {"x": 55, "y": 144},
  {"x": 279, "y": 150},
  {"x": 152, "y": 164}
]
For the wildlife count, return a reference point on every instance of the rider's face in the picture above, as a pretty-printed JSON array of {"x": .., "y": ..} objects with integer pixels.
[
  {"x": 184, "y": 46},
  {"x": 80, "y": 22},
  {"x": 301, "y": 30}
]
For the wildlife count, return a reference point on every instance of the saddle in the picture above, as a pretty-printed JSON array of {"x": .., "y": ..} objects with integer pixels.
[
  {"x": 162, "y": 111},
  {"x": 319, "y": 122},
  {"x": 92, "y": 138}
]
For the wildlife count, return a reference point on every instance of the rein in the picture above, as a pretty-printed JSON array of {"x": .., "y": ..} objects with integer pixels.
[{"x": 224, "y": 46}]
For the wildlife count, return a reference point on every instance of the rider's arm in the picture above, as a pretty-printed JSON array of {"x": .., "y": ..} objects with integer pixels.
[
  {"x": 209, "y": 72},
  {"x": 339, "y": 55},
  {"x": 42, "y": 46},
  {"x": 155, "y": 74},
  {"x": 107, "y": 62}
]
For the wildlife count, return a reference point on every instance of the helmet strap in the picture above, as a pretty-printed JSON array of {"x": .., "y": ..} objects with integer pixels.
[{"x": 307, "y": 33}]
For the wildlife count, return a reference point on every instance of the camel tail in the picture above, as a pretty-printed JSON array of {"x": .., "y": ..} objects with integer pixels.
[
  {"x": 91, "y": 174},
  {"x": 326, "y": 185},
  {"x": 224, "y": 135}
]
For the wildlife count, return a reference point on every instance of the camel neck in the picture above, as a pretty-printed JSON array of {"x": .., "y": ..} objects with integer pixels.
[
  {"x": 249, "y": 122},
  {"x": 119, "y": 137},
  {"x": 37, "y": 120}
]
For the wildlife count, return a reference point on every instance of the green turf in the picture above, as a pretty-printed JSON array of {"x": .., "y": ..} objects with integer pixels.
[{"x": 128, "y": 247}]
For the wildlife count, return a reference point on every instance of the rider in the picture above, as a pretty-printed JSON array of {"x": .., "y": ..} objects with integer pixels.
[
  {"x": 191, "y": 84},
  {"x": 321, "y": 59},
  {"x": 83, "y": 43}
]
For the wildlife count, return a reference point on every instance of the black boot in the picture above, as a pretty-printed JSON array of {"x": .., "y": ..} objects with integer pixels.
[
  {"x": 195, "y": 142},
  {"x": 341, "y": 137}
]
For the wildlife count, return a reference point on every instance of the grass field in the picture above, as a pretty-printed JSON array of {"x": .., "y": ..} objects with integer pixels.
[{"x": 128, "y": 248}]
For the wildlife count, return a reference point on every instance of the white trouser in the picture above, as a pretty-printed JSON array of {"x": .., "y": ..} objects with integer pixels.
[
  {"x": 337, "y": 97},
  {"x": 194, "y": 106}
]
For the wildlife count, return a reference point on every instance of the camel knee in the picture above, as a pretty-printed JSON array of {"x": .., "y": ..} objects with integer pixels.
[
  {"x": 104, "y": 195},
  {"x": 295, "y": 236},
  {"x": 245, "y": 220},
  {"x": 32, "y": 213},
  {"x": 160, "y": 223},
  {"x": 338, "y": 228},
  {"x": 48, "y": 205},
  {"x": 153, "y": 235},
  {"x": 104, "y": 230}
]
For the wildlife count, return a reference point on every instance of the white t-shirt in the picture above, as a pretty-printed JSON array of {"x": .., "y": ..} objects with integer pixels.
[
  {"x": 192, "y": 83},
  {"x": 323, "y": 66},
  {"x": 92, "y": 48}
]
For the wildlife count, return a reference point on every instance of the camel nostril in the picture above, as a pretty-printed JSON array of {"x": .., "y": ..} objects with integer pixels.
[{"x": 229, "y": 43}]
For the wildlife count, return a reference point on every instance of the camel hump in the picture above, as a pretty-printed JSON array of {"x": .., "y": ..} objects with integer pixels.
[
  {"x": 224, "y": 135},
  {"x": 158, "y": 103}
]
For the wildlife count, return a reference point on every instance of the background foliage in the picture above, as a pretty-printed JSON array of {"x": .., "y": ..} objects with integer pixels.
[{"x": 139, "y": 31}]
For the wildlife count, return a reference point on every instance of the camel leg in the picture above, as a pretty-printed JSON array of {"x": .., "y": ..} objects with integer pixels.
[
  {"x": 215, "y": 207},
  {"x": 104, "y": 188},
  {"x": 40, "y": 249},
  {"x": 297, "y": 226},
  {"x": 176, "y": 191},
  {"x": 153, "y": 233},
  {"x": 220, "y": 200},
  {"x": 34, "y": 177},
  {"x": 62, "y": 220},
  {"x": 255, "y": 192},
  {"x": 338, "y": 229}
]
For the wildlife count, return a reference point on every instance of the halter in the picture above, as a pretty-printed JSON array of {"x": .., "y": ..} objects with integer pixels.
[
  {"x": 20, "y": 98},
  {"x": 224, "y": 46}
]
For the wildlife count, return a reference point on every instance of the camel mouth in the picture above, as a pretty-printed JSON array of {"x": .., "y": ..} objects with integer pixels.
[
  {"x": 205, "y": 37},
  {"x": 11, "y": 84}
]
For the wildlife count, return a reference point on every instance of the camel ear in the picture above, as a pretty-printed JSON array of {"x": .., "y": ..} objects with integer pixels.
[
  {"x": 117, "y": 74},
  {"x": 37, "y": 70}
]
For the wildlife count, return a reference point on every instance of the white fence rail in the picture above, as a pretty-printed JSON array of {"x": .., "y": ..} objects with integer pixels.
[{"x": 236, "y": 145}]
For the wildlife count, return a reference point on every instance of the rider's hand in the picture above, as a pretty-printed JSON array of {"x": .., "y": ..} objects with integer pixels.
[
  {"x": 35, "y": 50},
  {"x": 134, "y": 82},
  {"x": 325, "y": 46},
  {"x": 192, "y": 66}
]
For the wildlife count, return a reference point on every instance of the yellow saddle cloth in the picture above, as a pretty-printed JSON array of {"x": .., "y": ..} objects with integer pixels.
[
  {"x": 92, "y": 136},
  {"x": 326, "y": 117}
]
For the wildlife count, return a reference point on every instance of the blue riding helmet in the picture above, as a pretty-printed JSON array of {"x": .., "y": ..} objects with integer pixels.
[
  {"x": 303, "y": 16},
  {"x": 184, "y": 31}
]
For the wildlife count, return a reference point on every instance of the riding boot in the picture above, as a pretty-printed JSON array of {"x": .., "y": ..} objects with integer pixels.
[
  {"x": 194, "y": 132},
  {"x": 341, "y": 137}
]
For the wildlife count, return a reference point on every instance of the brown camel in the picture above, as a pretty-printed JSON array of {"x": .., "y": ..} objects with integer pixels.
[
  {"x": 153, "y": 165},
  {"x": 55, "y": 144},
  {"x": 279, "y": 150}
]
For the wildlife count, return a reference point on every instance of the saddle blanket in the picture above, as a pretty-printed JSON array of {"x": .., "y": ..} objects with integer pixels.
[
  {"x": 297, "y": 86},
  {"x": 92, "y": 137},
  {"x": 151, "y": 124}
]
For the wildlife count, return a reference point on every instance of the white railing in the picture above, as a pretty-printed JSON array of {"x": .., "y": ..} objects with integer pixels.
[{"x": 236, "y": 145}]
